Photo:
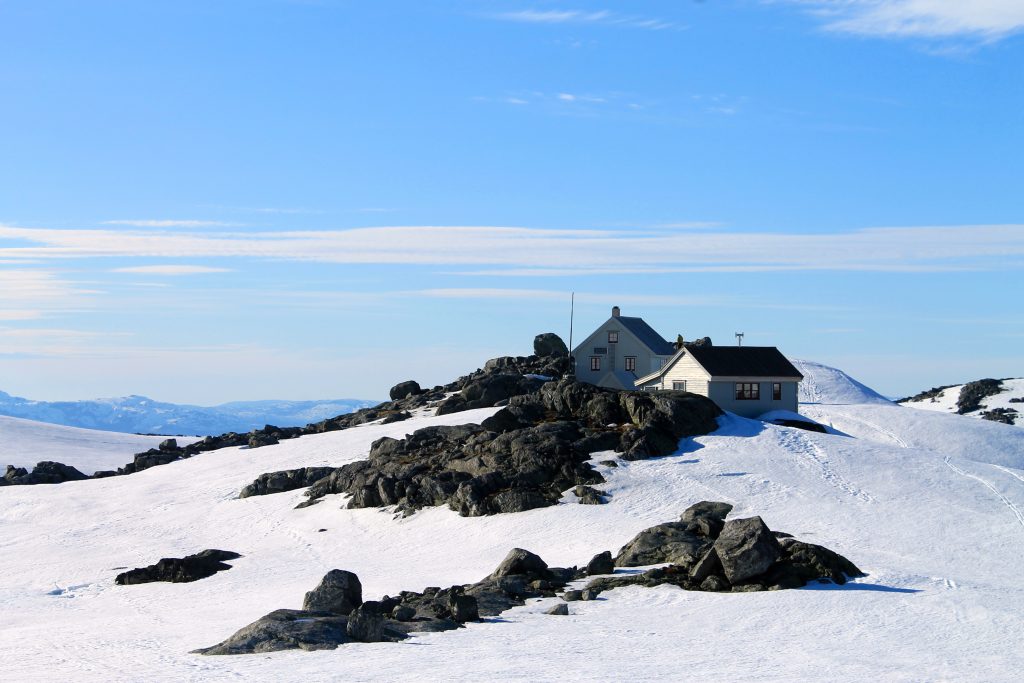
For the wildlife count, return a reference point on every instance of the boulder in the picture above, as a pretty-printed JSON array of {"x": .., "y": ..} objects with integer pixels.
[
  {"x": 366, "y": 623},
  {"x": 549, "y": 344},
  {"x": 168, "y": 445},
  {"x": 404, "y": 390},
  {"x": 670, "y": 542},
  {"x": 284, "y": 480},
  {"x": 706, "y": 518},
  {"x": 179, "y": 570},
  {"x": 284, "y": 629},
  {"x": 561, "y": 610},
  {"x": 746, "y": 548},
  {"x": 601, "y": 563},
  {"x": 339, "y": 592},
  {"x": 520, "y": 561},
  {"x": 463, "y": 607}
]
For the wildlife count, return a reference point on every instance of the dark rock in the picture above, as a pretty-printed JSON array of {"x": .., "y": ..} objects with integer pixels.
[
  {"x": 601, "y": 563},
  {"x": 285, "y": 629},
  {"x": 972, "y": 394},
  {"x": 339, "y": 592},
  {"x": 45, "y": 472},
  {"x": 801, "y": 424},
  {"x": 404, "y": 390},
  {"x": 803, "y": 562},
  {"x": 179, "y": 570},
  {"x": 463, "y": 608},
  {"x": 746, "y": 548},
  {"x": 609, "y": 463},
  {"x": 714, "y": 583},
  {"x": 396, "y": 417},
  {"x": 285, "y": 480},
  {"x": 549, "y": 344},
  {"x": 520, "y": 561},
  {"x": 670, "y": 542},
  {"x": 572, "y": 596},
  {"x": 560, "y": 610},
  {"x": 1004, "y": 415},
  {"x": 588, "y": 495},
  {"x": 709, "y": 565},
  {"x": 168, "y": 445},
  {"x": 706, "y": 518},
  {"x": 366, "y": 623},
  {"x": 403, "y": 613},
  {"x": 589, "y": 594}
]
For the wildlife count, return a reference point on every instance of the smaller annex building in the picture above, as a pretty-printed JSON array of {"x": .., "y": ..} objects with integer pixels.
[{"x": 746, "y": 380}]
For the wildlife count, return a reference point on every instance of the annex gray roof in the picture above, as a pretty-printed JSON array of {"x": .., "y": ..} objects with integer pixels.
[
  {"x": 743, "y": 361},
  {"x": 646, "y": 334}
]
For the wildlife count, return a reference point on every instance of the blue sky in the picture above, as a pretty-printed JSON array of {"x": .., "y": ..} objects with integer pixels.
[{"x": 210, "y": 201}]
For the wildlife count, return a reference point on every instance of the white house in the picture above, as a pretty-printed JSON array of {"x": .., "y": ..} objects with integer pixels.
[
  {"x": 620, "y": 351},
  {"x": 626, "y": 353}
]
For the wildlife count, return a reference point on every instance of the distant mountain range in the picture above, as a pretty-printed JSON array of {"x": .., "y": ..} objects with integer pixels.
[{"x": 142, "y": 415}]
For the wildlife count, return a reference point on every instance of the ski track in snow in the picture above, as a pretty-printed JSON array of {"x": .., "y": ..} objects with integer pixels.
[
  {"x": 1005, "y": 501},
  {"x": 798, "y": 442}
]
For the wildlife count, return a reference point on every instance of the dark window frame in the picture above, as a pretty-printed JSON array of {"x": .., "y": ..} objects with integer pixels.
[
  {"x": 629, "y": 363},
  {"x": 776, "y": 391},
  {"x": 595, "y": 363},
  {"x": 678, "y": 388},
  {"x": 748, "y": 391},
  {"x": 613, "y": 336}
]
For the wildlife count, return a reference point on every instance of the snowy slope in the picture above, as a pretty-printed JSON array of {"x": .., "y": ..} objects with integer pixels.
[
  {"x": 141, "y": 415},
  {"x": 24, "y": 443},
  {"x": 940, "y": 535},
  {"x": 946, "y": 400},
  {"x": 824, "y": 384}
]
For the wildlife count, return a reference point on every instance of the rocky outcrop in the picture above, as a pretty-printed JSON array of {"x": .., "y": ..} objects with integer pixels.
[
  {"x": 520, "y": 576},
  {"x": 285, "y": 480},
  {"x": 973, "y": 393},
  {"x": 339, "y": 591},
  {"x": 179, "y": 570},
  {"x": 46, "y": 472},
  {"x": 404, "y": 390}
]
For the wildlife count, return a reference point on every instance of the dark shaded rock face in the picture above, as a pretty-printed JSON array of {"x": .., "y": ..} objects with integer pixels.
[
  {"x": 339, "y": 592},
  {"x": 179, "y": 570},
  {"x": 601, "y": 563},
  {"x": 404, "y": 390},
  {"x": 670, "y": 542},
  {"x": 525, "y": 455},
  {"x": 972, "y": 394},
  {"x": 366, "y": 623},
  {"x": 549, "y": 344},
  {"x": 46, "y": 472},
  {"x": 1005, "y": 415},
  {"x": 746, "y": 548},
  {"x": 285, "y": 480},
  {"x": 285, "y": 629}
]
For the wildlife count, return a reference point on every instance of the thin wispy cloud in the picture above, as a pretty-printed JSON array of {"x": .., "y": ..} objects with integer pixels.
[
  {"x": 907, "y": 249},
  {"x": 171, "y": 269},
  {"x": 598, "y": 17},
  {"x": 161, "y": 223},
  {"x": 988, "y": 20}
]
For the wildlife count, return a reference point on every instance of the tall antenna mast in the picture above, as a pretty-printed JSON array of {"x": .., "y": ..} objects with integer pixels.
[
  {"x": 572, "y": 312},
  {"x": 739, "y": 339}
]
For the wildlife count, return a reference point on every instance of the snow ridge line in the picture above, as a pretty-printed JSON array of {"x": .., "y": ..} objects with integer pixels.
[{"x": 1006, "y": 501}]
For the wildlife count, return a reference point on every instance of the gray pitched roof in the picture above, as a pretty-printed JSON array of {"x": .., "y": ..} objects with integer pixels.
[
  {"x": 646, "y": 334},
  {"x": 743, "y": 361}
]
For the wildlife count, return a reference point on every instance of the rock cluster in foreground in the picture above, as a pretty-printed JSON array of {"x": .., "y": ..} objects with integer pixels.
[{"x": 705, "y": 552}]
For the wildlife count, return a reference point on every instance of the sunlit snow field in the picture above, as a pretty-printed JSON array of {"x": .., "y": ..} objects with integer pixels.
[{"x": 928, "y": 504}]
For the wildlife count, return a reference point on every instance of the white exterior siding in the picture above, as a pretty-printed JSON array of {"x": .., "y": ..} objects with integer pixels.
[{"x": 686, "y": 369}]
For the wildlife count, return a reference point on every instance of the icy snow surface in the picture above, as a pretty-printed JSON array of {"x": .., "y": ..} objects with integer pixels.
[
  {"x": 930, "y": 505},
  {"x": 24, "y": 443}
]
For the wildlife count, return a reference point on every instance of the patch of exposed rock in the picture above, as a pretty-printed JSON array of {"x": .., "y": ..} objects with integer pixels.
[
  {"x": 525, "y": 455},
  {"x": 973, "y": 393},
  {"x": 179, "y": 570},
  {"x": 46, "y": 472},
  {"x": 285, "y": 480}
]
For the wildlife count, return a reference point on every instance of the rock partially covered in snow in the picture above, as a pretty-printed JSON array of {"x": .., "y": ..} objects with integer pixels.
[{"x": 179, "y": 570}]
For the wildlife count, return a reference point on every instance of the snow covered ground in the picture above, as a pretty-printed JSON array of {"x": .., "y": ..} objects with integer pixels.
[
  {"x": 24, "y": 443},
  {"x": 930, "y": 505}
]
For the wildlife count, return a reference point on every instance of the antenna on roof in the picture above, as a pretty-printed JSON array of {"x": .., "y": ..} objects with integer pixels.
[
  {"x": 739, "y": 339},
  {"x": 572, "y": 311}
]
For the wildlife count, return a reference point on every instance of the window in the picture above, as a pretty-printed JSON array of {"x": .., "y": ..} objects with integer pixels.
[
  {"x": 679, "y": 386},
  {"x": 776, "y": 391},
  {"x": 613, "y": 337},
  {"x": 601, "y": 350},
  {"x": 651, "y": 387},
  {"x": 630, "y": 362},
  {"x": 595, "y": 363},
  {"x": 748, "y": 391}
]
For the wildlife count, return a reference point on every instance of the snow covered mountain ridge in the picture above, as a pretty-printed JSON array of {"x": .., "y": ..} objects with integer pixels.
[{"x": 142, "y": 415}]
